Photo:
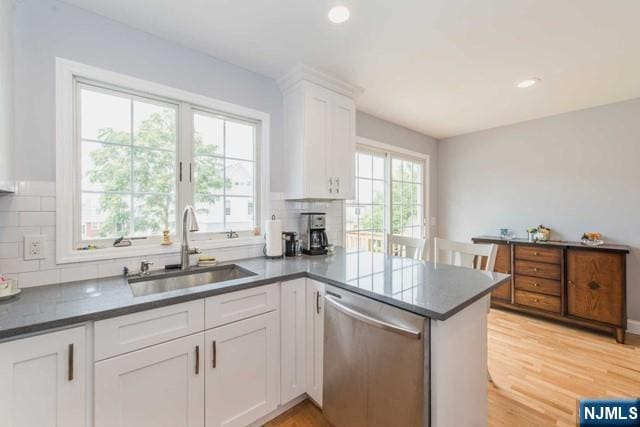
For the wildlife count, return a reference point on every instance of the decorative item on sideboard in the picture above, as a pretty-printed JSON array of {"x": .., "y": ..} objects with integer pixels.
[
  {"x": 592, "y": 239},
  {"x": 539, "y": 233},
  {"x": 507, "y": 234}
]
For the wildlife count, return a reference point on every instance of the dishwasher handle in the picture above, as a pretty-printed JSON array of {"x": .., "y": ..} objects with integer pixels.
[{"x": 372, "y": 321}]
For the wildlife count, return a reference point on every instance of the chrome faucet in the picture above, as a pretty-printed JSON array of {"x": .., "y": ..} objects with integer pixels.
[{"x": 188, "y": 217}]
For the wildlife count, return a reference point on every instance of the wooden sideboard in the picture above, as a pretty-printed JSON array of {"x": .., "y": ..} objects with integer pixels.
[{"x": 566, "y": 281}]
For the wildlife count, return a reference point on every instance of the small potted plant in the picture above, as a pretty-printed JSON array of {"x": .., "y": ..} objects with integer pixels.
[{"x": 531, "y": 233}]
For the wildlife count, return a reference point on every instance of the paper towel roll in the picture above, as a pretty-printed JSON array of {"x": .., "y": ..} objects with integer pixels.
[{"x": 273, "y": 236}]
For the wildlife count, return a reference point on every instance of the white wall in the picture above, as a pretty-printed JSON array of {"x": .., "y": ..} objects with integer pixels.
[
  {"x": 368, "y": 126},
  {"x": 573, "y": 172},
  {"x": 46, "y": 29},
  {"x": 6, "y": 90}
]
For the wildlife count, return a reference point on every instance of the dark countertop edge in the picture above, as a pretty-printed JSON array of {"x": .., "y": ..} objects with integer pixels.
[
  {"x": 563, "y": 244},
  {"x": 150, "y": 305}
]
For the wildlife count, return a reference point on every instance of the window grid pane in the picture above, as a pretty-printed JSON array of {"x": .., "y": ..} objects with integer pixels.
[
  {"x": 225, "y": 173},
  {"x": 127, "y": 165}
]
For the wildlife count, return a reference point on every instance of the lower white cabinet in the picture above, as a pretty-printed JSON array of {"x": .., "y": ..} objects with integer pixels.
[
  {"x": 242, "y": 371},
  {"x": 43, "y": 380},
  {"x": 158, "y": 386},
  {"x": 314, "y": 339},
  {"x": 292, "y": 339}
]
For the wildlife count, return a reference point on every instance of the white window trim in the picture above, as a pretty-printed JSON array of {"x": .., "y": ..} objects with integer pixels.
[
  {"x": 66, "y": 182},
  {"x": 374, "y": 145}
]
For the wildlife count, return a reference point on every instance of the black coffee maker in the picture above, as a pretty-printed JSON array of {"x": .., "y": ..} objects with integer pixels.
[
  {"x": 291, "y": 243},
  {"x": 314, "y": 236}
]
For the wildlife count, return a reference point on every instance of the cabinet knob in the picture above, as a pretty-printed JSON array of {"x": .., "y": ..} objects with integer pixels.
[
  {"x": 536, "y": 253},
  {"x": 570, "y": 282},
  {"x": 536, "y": 284},
  {"x": 535, "y": 268},
  {"x": 338, "y": 182},
  {"x": 536, "y": 300},
  {"x": 330, "y": 190}
]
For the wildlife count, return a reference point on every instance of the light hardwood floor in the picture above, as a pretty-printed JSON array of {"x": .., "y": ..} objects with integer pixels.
[{"x": 539, "y": 369}]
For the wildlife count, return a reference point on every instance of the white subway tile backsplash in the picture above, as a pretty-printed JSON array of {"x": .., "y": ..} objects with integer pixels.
[
  {"x": 83, "y": 272},
  {"x": 9, "y": 250},
  {"x": 38, "y": 278},
  {"x": 37, "y": 218},
  {"x": 32, "y": 211},
  {"x": 48, "y": 204},
  {"x": 37, "y": 188},
  {"x": 16, "y": 234},
  {"x": 8, "y": 219},
  {"x": 19, "y": 203}
]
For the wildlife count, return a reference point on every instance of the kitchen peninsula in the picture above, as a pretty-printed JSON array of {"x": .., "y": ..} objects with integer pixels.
[{"x": 112, "y": 333}]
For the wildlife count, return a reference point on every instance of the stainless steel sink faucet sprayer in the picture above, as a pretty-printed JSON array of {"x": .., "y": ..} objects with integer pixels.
[{"x": 188, "y": 217}]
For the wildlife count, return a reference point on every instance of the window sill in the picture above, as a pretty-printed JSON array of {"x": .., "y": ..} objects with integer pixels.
[{"x": 72, "y": 256}]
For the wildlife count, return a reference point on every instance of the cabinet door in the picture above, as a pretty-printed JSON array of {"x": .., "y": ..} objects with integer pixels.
[
  {"x": 595, "y": 285},
  {"x": 315, "y": 339},
  {"x": 316, "y": 142},
  {"x": 43, "y": 380},
  {"x": 343, "y": 144},
  {"x": 503, "y": 265},
  {"x": 243, "y": 371},
  {"x": 292, "y": 339},
  {"x": 159, "y": 386}
]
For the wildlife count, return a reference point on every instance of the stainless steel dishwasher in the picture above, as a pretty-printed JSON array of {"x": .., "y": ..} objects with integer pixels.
[{"x": 376, "y": 363}]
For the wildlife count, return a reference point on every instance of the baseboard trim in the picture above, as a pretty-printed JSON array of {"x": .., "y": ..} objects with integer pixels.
[
  {"x": 279, "y": 411},
  {"x": 633, "y": 326}
]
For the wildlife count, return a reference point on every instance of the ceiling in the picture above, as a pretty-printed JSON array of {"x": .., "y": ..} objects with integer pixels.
[{"x": 441, "y": 67}]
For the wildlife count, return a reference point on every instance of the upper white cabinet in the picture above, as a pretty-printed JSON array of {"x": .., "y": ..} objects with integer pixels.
[
  {"x": 6, "y": 96},
  {"x": 319, "y": 135},
  {"x": 43, "y": 380}
]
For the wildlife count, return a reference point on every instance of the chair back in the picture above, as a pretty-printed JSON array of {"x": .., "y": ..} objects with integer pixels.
[
  {"x": 471, "y": 255},
  {"x": 408, "y": 247}
]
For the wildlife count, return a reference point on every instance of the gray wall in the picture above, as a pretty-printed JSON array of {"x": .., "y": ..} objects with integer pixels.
[
  {"x": 573, "y": 172},
  {"x": 368, "y": 126},
  {"x": 46, "y": 29},
  {"x": 6, "y": 90}
]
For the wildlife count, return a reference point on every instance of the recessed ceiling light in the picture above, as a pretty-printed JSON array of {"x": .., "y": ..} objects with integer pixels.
[
  {"x": 528, "y": 83},
  {"x": 339, "y": 14}
]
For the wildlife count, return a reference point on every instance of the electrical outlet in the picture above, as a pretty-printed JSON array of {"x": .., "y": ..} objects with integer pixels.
[{"x": 34, "y": 246}]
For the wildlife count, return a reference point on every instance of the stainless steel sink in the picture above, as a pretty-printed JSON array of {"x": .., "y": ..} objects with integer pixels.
[{"x": 165, "y": 282}]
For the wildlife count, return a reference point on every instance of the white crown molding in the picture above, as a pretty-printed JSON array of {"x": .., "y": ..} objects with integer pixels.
[{"x": 304, "y": 72}]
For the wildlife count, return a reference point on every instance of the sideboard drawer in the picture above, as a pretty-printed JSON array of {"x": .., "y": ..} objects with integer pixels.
[
  {"x": 536, "y": 284},
  {"x": 538, "y": 269},
  {"x": 539, "y": 301},
  {"x": 536, "y": 253}
]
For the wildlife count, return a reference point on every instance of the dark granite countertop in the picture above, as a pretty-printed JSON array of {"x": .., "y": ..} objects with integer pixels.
[{"x": 434, "y": 291}]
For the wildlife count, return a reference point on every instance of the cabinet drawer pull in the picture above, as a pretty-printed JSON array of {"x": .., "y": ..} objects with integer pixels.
[
  {"x": 318, "y": 302},
  {"x": 330, "y": 190},
  {"x": 197, "y": 359},
  {"x": 70, "y": 363},
  {"x": 213, "y": 355},
  {"x": 338, "y": 182}
]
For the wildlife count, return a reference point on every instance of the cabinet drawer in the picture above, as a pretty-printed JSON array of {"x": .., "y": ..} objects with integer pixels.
[
  {"x": 535, "y": 253},
  {"x": 538, "y": 269},
  {"x": 227, "y": 308},
  {"x": 123, "y": 334},
  {"x": 536, "y": 284},
  {"x": 539, "y": 301}
]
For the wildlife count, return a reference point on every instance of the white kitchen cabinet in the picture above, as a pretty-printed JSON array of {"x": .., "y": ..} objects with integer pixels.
[
  {"x": 314, "y": 339},
  {"x": 158, "y": 386},
  {"x": 292, "y": 339},
  {"x": 242, "y": 371},
  {"x": 6, "y": 96},
  {"x": 320, "y": 135},
  {"x": 43, "y": 380}
]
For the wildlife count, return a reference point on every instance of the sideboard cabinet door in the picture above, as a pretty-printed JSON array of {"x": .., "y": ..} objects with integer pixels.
[
  {"x": 503, "y": 265},
  {"x": 595, "y": 285}
]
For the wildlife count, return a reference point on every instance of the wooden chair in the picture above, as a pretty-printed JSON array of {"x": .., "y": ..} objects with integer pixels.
[
  {"x": 480, "y": 257},
  {"x": 471, "y": 255},
  {"x": 409, "y": 247}
]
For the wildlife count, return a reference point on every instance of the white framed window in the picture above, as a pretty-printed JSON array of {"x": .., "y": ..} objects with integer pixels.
[
  {"x": 131, "y": 154},
  {"x": 390, "y": 192}
]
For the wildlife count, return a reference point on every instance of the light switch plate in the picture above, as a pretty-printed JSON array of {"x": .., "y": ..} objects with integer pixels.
[{"x": 34, "y": 246}]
